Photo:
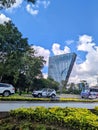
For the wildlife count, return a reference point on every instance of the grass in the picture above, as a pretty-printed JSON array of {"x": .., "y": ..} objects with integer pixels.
[{"x": 29, "y": 97}]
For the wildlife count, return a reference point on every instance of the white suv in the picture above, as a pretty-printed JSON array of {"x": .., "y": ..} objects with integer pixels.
[
  {"x": 45, "y": 92},
  {"x": 6, "y": 89}
]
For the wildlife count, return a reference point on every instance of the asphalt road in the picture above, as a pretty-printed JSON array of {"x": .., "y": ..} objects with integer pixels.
[{"x": 6, "y": 106}]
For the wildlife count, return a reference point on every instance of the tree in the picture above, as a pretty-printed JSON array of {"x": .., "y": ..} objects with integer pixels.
[
  {"x": 17, "y": 58},
  {"x": 9, "y": 3},
  {"x": 32, "y": 65},
  {"x": 45, "y": 83},
  {"x": 84, "y": 84},
  {"x": 12, "y": 49},
  {"x": 72, "y": 86}
]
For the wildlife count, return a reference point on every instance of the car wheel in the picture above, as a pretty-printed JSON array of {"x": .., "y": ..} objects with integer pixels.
[
  {"x": 6, "y": 93},
  {"x": 39, "y": 95},
  {"x": 53, "y": 96}
]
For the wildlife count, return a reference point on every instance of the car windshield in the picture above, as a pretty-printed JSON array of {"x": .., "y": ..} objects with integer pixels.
[
  {"x": 44, "y": 89},
  {"x": 50, "y": 90},
  {"x": 86, "y": 90}
]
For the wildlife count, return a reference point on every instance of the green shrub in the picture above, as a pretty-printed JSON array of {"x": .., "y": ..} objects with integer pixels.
[
  {"x": 40, "y": 127},
  {"x": 73, "y": 118},
  {"x": 96, "y": 110}
]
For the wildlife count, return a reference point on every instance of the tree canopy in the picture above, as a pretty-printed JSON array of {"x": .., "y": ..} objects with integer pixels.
[
  {"x": 45, "y": 83},
  {"x": 17, "y": 58},
  {"x": 9, "y": 3}
]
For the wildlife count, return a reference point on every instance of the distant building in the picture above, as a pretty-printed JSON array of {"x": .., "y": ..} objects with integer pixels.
[
  {"x": 60, "y": 67},
  {"x": 83, "y": 85}
]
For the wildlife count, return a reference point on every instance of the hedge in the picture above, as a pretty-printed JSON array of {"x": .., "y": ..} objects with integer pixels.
[
  {"x": 70, "y": 118},
  {"x": 20, "y": 98}
]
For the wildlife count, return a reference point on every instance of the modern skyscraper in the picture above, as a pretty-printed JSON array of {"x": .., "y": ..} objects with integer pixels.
[{"x": 60, "y": 66}]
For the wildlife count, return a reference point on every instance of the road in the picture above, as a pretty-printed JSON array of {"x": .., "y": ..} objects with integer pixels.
[{"x": 6, "y": 106}]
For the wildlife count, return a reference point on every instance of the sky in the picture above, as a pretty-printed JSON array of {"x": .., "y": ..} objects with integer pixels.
[{"x": 57, "y": 27}]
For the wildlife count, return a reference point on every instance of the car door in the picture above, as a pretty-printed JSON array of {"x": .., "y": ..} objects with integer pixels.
[
  {"x": 2, "y": 88},
  {"x": 44, "y": 92}
]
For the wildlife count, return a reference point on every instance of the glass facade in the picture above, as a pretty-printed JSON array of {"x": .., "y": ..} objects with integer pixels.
[{"x": 60, "y": 66}]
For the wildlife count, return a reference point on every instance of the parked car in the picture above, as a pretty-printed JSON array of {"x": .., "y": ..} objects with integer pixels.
[
  {"x": 45, "y": 92},
  {"x": 90, "y": 93},
  {"x": 6, "y": 89},
  {"x": 85, "y": 93}
]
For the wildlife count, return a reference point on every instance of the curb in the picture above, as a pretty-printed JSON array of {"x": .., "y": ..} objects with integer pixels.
[{"x": 4, "y": 114}]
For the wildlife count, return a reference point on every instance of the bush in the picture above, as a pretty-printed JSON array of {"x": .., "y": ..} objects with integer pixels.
[{"x": 73, "y": 118}]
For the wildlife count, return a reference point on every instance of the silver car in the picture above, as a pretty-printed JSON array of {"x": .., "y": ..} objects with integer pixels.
[
  {"x": 45, "y": 92},
  {"x": 6, "y": 89}
]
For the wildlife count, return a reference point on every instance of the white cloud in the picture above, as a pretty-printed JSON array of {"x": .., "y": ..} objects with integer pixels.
[
  {"x": 31, "y": 10},
  {"x": 88, "y": 69},
  {"x": 85, "y": 39},
  {"x": 3, "y": 18},
  {"x": 85, "y": 43},
  {"x": 45, "y": 75},
  {"x": 17, "y": 4},
  {"x": 46, "y": 3},
  {"x": 90, "y": 64},
  {"x": 42, "y": 52},
  {"x": 57, "y": 51},
  {"x": 68, "y": 42}
]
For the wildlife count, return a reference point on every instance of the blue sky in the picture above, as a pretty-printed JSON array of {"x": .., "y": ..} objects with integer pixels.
[{"x": 60, "y": 26}]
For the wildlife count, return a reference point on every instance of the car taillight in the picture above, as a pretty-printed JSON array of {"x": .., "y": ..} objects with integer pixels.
[{"x": 13, "y": 88}]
